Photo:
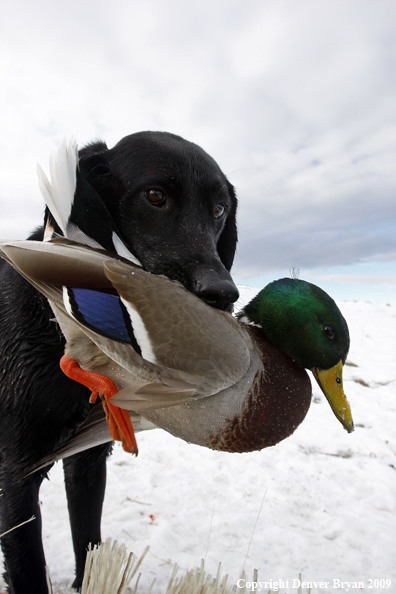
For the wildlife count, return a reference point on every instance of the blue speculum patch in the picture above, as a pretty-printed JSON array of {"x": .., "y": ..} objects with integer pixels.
[{"x": 102, "y": 312}]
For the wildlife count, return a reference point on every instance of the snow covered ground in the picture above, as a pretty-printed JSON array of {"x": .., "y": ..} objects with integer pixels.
[{"x": 321, "y": 503}]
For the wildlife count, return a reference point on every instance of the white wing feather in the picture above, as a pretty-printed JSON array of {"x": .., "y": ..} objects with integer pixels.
[{"x": 59, "y": 192}]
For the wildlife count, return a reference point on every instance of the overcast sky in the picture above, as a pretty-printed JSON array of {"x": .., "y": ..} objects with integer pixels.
[{"x": 294, "y": 99}]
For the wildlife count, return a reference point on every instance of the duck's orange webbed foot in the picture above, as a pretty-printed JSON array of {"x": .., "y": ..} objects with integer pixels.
[{"x": 120, "y": 426}]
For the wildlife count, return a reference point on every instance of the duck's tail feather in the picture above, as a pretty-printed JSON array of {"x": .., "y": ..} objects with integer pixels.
[{"x": 93, "y": 432}]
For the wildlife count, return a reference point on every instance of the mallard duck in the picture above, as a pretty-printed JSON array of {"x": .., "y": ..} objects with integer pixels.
[{"x": 200, "y": 374}]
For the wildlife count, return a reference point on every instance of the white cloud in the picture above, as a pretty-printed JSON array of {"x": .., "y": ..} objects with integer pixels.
[{"x": 293, "y": 99}]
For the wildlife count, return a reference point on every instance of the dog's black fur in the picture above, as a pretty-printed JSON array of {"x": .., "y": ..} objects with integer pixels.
[{"x": 175, "y": 211}]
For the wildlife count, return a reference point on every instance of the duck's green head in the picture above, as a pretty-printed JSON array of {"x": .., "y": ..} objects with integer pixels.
[{"x": 306, "y": 324}]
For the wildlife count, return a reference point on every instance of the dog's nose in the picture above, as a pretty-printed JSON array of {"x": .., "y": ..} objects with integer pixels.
[{"x": 216, "y": 291}]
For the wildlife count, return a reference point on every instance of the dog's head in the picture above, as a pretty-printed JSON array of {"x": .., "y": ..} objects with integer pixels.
[{"x": 173, "y": 207}]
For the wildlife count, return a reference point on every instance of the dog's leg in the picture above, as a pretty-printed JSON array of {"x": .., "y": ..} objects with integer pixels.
[
  {"x": 85, "y": 481},
  {"x": 23, "y": 552}
]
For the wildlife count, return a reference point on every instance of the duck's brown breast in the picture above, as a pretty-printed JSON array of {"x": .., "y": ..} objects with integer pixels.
[{"x": 276, "y": 404}]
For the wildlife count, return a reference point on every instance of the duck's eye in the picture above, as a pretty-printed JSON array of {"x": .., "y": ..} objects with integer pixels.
[
  {"x": 328, "y": 330},
  {"x": 338, "y": 380},
  {"x": 219, "y": 210},
  {"x": 155, "y": 197}
]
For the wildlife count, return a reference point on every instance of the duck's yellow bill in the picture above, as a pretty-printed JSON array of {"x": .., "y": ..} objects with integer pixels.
[{"x": 330, "y": 382}]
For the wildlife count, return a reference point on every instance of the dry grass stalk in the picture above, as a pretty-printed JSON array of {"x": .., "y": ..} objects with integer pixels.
[
  {"x": 197, "y": 581},
  {"x": 109, "y": 569}
]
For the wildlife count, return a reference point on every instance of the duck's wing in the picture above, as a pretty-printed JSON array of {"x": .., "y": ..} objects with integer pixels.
[
  {"x": 96, "y": 314},
  {"x": 189, "y": 349},
  {"x": 69, "y": 197}
]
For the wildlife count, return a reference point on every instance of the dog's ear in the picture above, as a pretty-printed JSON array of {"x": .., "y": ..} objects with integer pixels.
[
  {"x": 226, "y": 246},
  {"x": 94, "y": 168},
  {"x": 97, "y": 170},
  {"x": 93, "y": 148}
]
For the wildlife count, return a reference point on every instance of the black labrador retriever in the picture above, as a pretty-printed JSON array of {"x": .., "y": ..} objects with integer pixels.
[{"x": 175, "y": 211}]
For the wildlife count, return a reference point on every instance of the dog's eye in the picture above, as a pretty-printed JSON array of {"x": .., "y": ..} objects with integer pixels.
[
  {"x": 219, "y": 210},
  {"x": 155, "y": 197}
]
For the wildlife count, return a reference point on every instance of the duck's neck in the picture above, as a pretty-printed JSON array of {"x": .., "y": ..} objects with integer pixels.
[{"x": 275, "y": 310}]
